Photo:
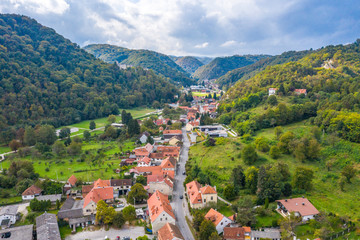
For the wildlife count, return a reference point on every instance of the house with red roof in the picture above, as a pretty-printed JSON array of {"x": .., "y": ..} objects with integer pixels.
[
  {"x": 200, "y": 196},
  {"x": 168, "y": 164},
  {"x": 160, "y": 211},
  {"x": 94, "y": 196},
  {"x": 235, "y": 232},
  {"x": 219, "y": 220},
  {"x": 171, "y": 133},
  {"x": 301, "y": 207},
  {"x": 31, "y": 192},
  {"x": 300, "y": 91},
  {"x": 70, "y": 183},
  {"x": 161, "y": 183},
  {"x": 272, "y": 91},
  {"x": 170, "y": 232},
  {"x": 144, "y": 162}
]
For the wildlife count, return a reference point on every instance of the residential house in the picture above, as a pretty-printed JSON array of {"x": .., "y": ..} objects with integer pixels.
[
  {"x": 169, "y": 151},
  {"x": 236, "y": 232},
  {"x": 266, "y": 233},
  {"x": 31, "y": 192},
  {"x": 300, "y": 91},
  {"x": 218, "y": 133},
  {"x": 127, "y": 162},
  {"x": 22, "y": 232},
  {"x": 143, "y": 137},
  {"x": 101, "y": 191},
  {"x": 144, "y": 162},
  {"x": 174, "y": 141},
  {"x": 200, "y": 196},
  {"x": 160, "y": 211},
  {"x": 209, "y": 128},
  {"x": 141, "y": 153},
  {"x": 168, "y": 134},
  {"x": 47, "y": 227},
  {"x": 272, "y": 91},
  {"x": 168, "y": 164},
  {"x": 120, "y": 186},
  {"x": 85, "y": 189},
  {"x": 156, "y": 158},
  {"x": 300, "y": 206},
  {"x": 52, "y": 198},
  {"x": 218, "y": 219},
  {"x": 70, "y": 183},
  {"x": 152, "y": 170},
  {"x": 8, "y": 215},
  {"x": 170, "y": 232},
  {"x": 160, "y": 183}
]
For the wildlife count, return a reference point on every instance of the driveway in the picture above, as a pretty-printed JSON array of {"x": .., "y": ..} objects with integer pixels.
[
  {"x": 180, "y": 206},
  {"x": 127, "y": 231}
]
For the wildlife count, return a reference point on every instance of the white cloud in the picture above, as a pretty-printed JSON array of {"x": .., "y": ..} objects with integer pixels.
[
  {"x": 202, "y": 45},
  {"x": 228, "y": 43},
  {"x": 42, "y": 6}
]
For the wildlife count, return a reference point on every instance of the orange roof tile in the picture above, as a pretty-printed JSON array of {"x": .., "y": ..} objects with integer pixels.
[
  {"x": 301, "y": 205},
  {"x": 172, "y": 132},
  {"x": 32, "y": 190},
  {"x": 157, "y": 204},
  {"x": 207, "y": 190},
  {"x": 167, "y": 163},
  {"x": 193, "y": 191},
  {"x": 214, "y": 216},
  {"x": 101, "y": 183},
  {"x": 169, "y": 232},
  {"x": 145, "y": 160},
  {"x": 237, "y": 233},
  {"x": 154, "y": 170},
  {"x": 97, "y": 194},
  {"x": 72, "y": 180}
]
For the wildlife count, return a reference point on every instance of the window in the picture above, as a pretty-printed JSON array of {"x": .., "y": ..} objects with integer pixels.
[
  {"x": 166, "y": 219},
  {"x": 212, "y": 198},
  {"x": 160, "y": 219}
]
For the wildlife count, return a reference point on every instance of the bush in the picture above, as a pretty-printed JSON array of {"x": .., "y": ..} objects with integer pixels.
[
  {"x": 262, "y": 144},
  {"x": 275, "y": 152}
]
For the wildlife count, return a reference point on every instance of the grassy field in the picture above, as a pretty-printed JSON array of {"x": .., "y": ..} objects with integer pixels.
[
  {"x": 4, "y": 149},
  {"x": 62, "y": 168},
  {"x": 218, "y": 162}
]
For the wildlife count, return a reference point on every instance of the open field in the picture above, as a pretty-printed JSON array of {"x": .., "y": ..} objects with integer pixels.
[
  {"x": 218, "y": 162},
  {"x": 4, "y": 149}
]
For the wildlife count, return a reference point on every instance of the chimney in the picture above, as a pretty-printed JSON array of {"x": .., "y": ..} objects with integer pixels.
[
  {"x": 303, "y": 203},
  {"x": 285, "y": 200}
]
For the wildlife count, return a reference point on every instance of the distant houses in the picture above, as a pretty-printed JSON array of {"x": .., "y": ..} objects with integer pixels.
[
  {"x": 301, "y": 207},
  {"x": 272, "y": 91}
]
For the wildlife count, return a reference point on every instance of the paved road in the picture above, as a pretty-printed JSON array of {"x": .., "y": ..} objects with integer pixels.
[{"x": 180, "y": 205}]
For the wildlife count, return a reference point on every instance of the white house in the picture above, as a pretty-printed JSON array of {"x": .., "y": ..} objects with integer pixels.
[
  {"x": 144, "y": 162},
  {"x": 160, "y": 211},
  {"x": 143, "y": 137},
  {"x": 218, "y": 219},
  {"x": 160, "y": 183},
  {"x": 272, "y": 91},
  {"x": 8, "y": 215},
  {"x": 300, "y": 206},
  {"x": 31, "y": 192}
]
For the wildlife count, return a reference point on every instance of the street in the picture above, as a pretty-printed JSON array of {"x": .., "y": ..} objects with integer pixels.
[{"x": 180, "y": 205}]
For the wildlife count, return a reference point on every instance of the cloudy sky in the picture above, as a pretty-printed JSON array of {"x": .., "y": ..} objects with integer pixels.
[{"x": 199, "y": 27}]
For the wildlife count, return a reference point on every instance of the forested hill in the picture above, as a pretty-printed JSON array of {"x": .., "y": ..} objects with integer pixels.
[
  {"x": 46, "y": 78},
  {"x": 221, "y": 65},
  {"x": 251, "y": 70},
  {"x": 189, "y": 64},
  {"x": 331, "y": 77},
  {"x": 160, "y": 63}
]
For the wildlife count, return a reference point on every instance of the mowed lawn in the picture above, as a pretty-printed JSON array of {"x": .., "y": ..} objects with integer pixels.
[
  {"x": 218, "y": 161},
  {"x": 4, "y": 149}
]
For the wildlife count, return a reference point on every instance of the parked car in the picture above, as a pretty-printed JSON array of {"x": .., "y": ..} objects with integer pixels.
[
  {"x": 181, "y": 197},
  {"x": 6, "y": 235},
  {"x": 125, "y": 238},
  {"x": 184, "y": 172}
]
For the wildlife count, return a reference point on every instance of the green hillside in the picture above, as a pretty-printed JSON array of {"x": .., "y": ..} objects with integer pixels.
[
  {"x": 189, "y": 64},
  {"x": 44, "y": 78},
  {"x": 160, "y": 63},
  {"x": 251, "y": 70},
  {"x": 221, "y": 65}
]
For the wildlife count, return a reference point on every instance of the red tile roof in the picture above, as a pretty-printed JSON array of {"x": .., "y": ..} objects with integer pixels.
[
  {"x": 214, "y": 216},
  {"x": 152, "y": 170},
  {"x": 169, "y": 232},
  {"x": 32, "y": 190},
  {"x": 97, "y": 194},
  {"x": 156, "y": 155},
  {"x": 167, "y": 163},
  {"x": 101, "y": 183},
  {"x": 159, "y": 178},
  {"x": 173, "y": 132},
  {"x": 72, "y": 180},
  {"x": 208, "y": 190},
  {"x": 193, "y": 191},
  {"x": 157, "y": 204},
  {"x": 300, "y": 91},
  {"x": 85, "y": 189},
  {"x": 234, "y": 233},
  {"x": 300, "y": 205},
  {"x": 145, "y": 160}
]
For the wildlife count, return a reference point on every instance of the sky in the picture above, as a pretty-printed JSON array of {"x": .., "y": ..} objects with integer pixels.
[{"x": 199, "y": 27}]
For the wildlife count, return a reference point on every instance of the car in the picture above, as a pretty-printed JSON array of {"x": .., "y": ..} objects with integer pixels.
[
  {"x": 117, "y": 238},
  {"x": 184, "y": 172},
  {"x": 120, "y": 205},
  {"x": 125, "y": 238},
  {"x": 6, "y": 235},
  {"x": 181, "y": 197}
]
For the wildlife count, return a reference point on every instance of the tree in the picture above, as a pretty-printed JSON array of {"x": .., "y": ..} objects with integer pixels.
[
  {"x": 238, "y": 178},
  {"x": 342, "y": 182},
  {"x": 57, "y": 204},
  {"x": 210, "y": 142},
  {"x": 249, "y": 154},
  {"x": 92, "y": 125},
  {"x": 348, "y": 172},
  {"x": 303, "y": 178},
  {"x": 245, "y": 211},
  {"x": 278, "y": 131},
  {"x": 287, "y": 190},
  {"x": 150, "y": 140},
  {"x": 46, "y": 134},
  {"x": 251, "y": 178},
  {"x": 269, "y": 184},
  {"x": 262, "y": 144},
  {"x": 111, "y": 119},
  {"x": 104, "y": 213},
  {"x": 215, "y": 236},
  {"x": 129, "y": 213},
  {"x": 64, "y": 133},
  {"x": 138, "y": 192},
  {"x": 68, "y": 141},
  {"x": 58, "y": 148},
  {"x": 287, "y": 226},
  {"x": 198, "y": 219},
  {"x": 87, "y": 135},
  {"x": 29, "y": 136},
  {"x": 14, "y": 145},
  {"x": 272, "y": 100},
  {"x": 285, "y": 140},
  {"x": 207, "y": 227},
  {"x": 142, "y": 180},
  {"x": 119, "y": 220},
  {"x": 74, "y": 148},
  {"x": 274, "y": 152},
  {"x": 229, "y": 192}
]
